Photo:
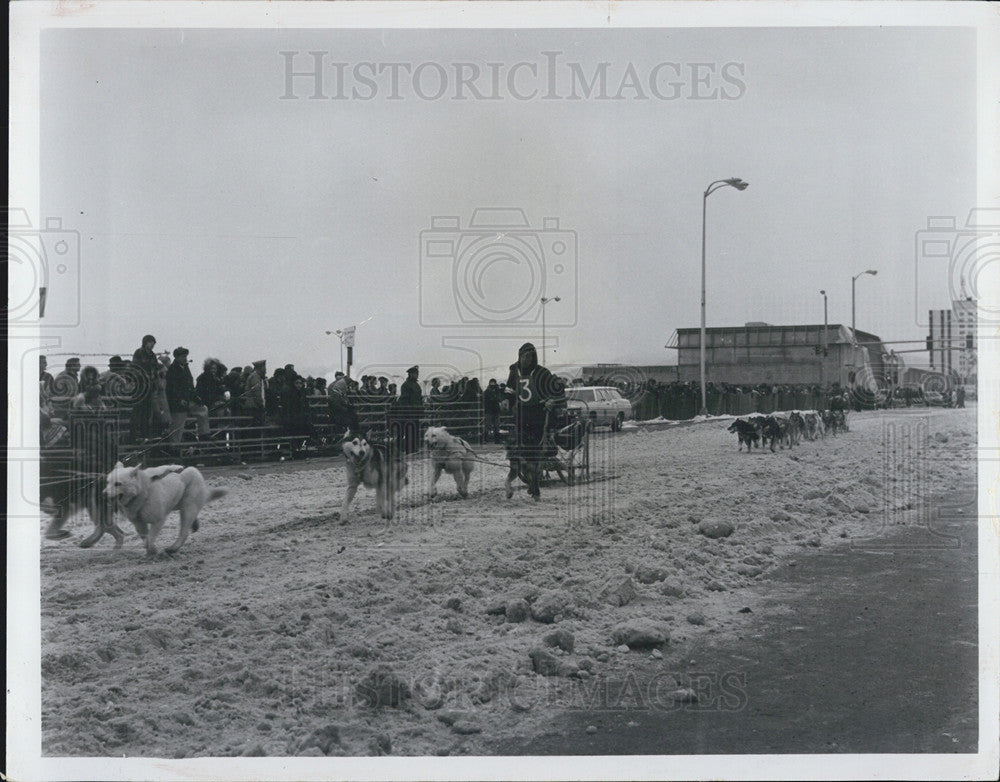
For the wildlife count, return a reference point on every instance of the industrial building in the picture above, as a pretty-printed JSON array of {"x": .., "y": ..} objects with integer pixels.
[
  {"x": 662, "y": 373},
  {"x": 761, "y": 353}
]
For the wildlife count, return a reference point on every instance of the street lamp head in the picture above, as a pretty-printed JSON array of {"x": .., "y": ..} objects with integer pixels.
[
  {"x": 738, "y": 183},
  {"x": 823, "y": 293},
  {"x": 872, "y": 272},
  {"x": 557, "y": 299}
]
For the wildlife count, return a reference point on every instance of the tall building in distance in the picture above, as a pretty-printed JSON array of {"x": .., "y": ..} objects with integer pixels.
[
  {"x": 952, "y": 342},
  {"x": 965, "y": 315}
]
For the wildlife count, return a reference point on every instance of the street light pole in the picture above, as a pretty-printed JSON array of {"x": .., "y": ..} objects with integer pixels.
[
  {"x": 822, "y": 359},
  {"x": 701, "y": 341},
  {"x": 854, "y": 279},
  {"x": 739, "y": 184},
  {"x": 544, "y": 302}
]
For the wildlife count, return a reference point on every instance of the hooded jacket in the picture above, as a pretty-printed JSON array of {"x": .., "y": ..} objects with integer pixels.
[{"x": 533, "y": 387}]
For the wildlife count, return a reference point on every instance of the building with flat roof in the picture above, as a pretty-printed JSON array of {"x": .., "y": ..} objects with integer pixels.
[{"x": 762, "y": 353}]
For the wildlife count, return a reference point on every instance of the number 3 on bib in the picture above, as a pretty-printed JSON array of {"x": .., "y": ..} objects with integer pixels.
[{"x": 525, "y": 395}]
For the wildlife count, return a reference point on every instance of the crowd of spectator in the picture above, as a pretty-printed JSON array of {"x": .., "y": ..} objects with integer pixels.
[{"x": 158, "y": 393}]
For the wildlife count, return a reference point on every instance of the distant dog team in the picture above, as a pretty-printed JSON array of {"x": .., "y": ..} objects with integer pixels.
[{"x": 786, "y": 428}]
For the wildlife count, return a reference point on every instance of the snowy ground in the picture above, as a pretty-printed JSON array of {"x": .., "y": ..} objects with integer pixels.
[{"x": 254, "y": 639}]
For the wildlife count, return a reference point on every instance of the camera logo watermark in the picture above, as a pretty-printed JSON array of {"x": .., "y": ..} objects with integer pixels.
[
  {"x": 970, "y": 256},
  {"x": 44, "y": 273},
  {"x": 497, "y": 271},
  {"x": 316, "y": 75}
]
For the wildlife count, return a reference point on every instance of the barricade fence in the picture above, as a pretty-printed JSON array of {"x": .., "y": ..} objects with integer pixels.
[{"x": 237, "y": 436}]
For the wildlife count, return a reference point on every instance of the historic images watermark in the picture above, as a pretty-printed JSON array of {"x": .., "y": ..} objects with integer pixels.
[
  {"x": 320, "y": 75},
  {"x": 472, "y": 693}
]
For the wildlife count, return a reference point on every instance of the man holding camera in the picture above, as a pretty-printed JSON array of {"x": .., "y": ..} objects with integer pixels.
[{"x": 533, "y": 391}]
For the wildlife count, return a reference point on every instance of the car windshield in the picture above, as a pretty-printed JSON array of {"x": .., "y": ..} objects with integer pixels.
[{"x": 580, "y": 395}]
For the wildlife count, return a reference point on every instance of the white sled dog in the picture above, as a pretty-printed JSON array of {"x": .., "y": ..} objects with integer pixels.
[
  {"x": 450, "y": 454},
  {"x": 148, "y": 496}
]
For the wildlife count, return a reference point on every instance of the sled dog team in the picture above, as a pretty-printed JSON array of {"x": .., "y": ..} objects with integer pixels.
[
  {"x": 786, "y": 429},
  {"x": 148, "y": 495}
]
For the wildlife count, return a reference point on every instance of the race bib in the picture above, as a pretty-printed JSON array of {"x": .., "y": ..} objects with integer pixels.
[{"x": 527, "y": 392}]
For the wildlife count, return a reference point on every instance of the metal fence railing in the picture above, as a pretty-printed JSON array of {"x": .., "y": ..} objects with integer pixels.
[{"x": 237, "y": 438}]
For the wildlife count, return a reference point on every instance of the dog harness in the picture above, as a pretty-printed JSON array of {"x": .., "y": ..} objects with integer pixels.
[{"x": 359, "y": 466}]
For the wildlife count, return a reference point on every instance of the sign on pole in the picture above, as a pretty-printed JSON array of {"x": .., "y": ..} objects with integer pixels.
[{"x": 349, "y": 337}]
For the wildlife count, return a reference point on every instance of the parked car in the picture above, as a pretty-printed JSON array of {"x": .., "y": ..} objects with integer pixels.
[{"x": 604, "y": 405}]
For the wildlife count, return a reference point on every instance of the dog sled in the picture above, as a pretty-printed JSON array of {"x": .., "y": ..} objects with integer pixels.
[{"x": 565, "y": 449}]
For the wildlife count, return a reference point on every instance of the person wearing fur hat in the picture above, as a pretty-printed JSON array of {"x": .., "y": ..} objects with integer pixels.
[{"x": 532, "y": 390}]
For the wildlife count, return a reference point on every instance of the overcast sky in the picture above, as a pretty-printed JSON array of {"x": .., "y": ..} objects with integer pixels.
[{"x": 217, "y": 215}]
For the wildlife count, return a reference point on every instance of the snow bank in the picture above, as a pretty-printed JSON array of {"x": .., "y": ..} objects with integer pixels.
[{"x": 276, "y": 628}]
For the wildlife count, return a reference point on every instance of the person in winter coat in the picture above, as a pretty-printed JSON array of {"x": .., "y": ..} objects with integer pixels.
[
  {"x": 44, "y": 376},
  {"x": 114, "y": 386},
  {"x": 296, "y": 416},
  {"x": 209, "y": 388},
  {"x": 159, "y": 408},
  {"x": 182, "y": 400},
  {"x": 532, "y": 391},
  {"x": 143, "y": 373},
  {"x": 492, "y": 398},
  {"x": 407, "y": 411},
  {"x": 342, "y": 414},
  {"x": 233, "y": 383},
  {"x": 255, "y": 393}
]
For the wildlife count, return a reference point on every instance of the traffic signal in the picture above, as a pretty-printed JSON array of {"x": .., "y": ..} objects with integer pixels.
[{"x": 968, "y": 342}]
